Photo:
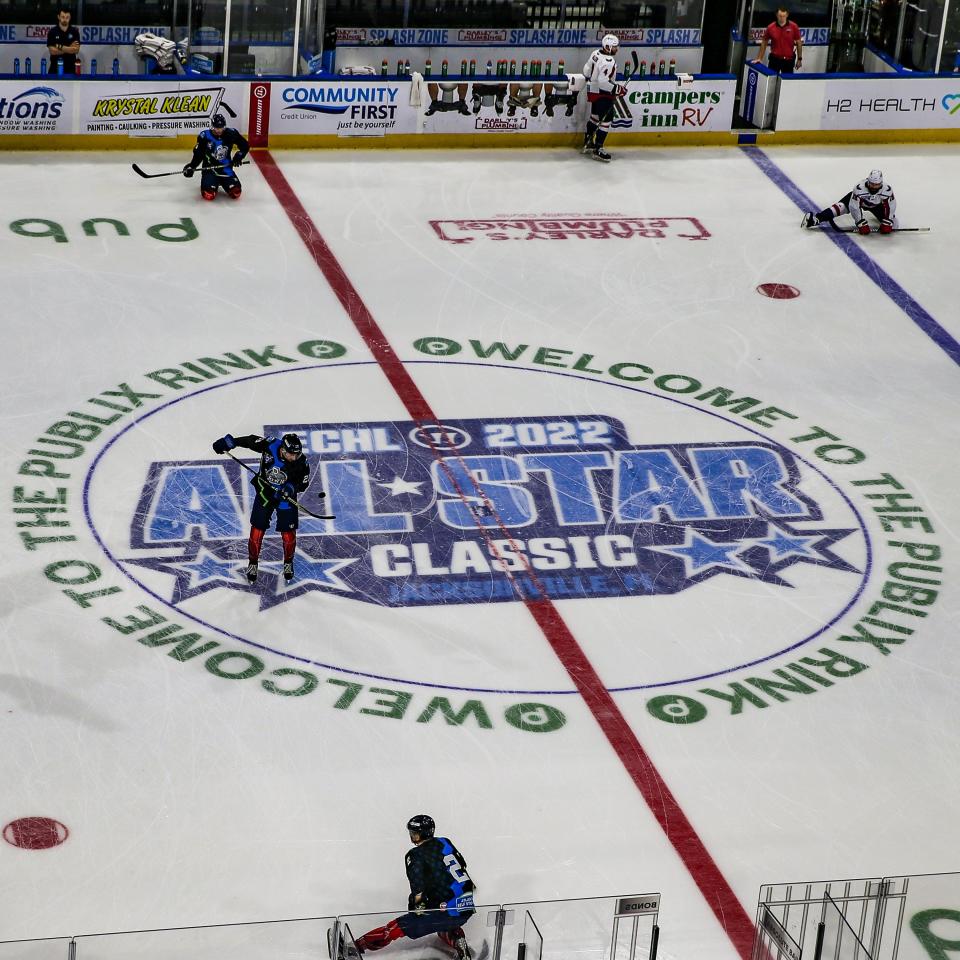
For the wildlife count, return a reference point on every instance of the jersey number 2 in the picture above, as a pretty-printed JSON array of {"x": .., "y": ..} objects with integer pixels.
[{"x": 456, "y": 871}]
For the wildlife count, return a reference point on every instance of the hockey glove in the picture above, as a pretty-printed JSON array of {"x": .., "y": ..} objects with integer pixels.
[
  {"x": 224, "y": 444},
  {"x": 886, "y": 227},
  {"x": 863, "y": 228},
  {"x": 188, "y": 171},
  {"x": 619, "y": 89}
]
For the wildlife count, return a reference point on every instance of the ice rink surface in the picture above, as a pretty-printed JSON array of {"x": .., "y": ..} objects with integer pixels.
[{"x": 687, "y": 479}]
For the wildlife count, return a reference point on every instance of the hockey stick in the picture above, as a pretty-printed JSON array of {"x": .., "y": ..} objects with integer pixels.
[
  {"x": 179, "y": 173},
  {"x": 875, "y": 230},
  {"x": 291, "y": 500}
]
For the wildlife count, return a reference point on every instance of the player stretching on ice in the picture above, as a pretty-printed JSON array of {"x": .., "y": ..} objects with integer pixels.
[
  {"x": 213, "y": 153},
  {"x": 439, "y": 883},
  {"x": 601, "y": 73},
  {"x": 283, "y": 474},
  {"x": 871, "y": 196}
]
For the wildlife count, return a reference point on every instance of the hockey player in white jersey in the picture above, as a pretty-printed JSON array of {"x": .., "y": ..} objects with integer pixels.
[
  {"x": 602, "y": 89},
  {"x": 871, "y": 196}
]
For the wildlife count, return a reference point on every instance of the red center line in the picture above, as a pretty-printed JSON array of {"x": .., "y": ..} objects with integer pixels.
[{"x": 641, "y": 769}]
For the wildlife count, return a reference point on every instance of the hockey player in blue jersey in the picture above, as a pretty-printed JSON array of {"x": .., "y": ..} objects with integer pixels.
[
  {"x": 441, "y": 894},
  {"x": 217, "y": 152},
  {"x": 283, "y": 474}
]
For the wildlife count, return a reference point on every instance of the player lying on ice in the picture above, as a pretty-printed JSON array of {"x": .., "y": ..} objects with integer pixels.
[{"x": 871, "y": 196}]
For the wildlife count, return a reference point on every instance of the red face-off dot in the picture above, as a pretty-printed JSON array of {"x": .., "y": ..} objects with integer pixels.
[
  {"x": 778, "y": 291},
  {"x": 35, "y": 833}
]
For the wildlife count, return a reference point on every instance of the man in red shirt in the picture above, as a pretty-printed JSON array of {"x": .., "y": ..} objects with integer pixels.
[{"x": 786, "y": 44}]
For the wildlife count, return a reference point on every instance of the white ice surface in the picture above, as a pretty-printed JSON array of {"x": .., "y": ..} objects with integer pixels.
[{"x": 191, "y": 799}]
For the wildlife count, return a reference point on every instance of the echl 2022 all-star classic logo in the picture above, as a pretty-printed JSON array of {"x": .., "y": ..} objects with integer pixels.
[{"x": 470, "y": 511}]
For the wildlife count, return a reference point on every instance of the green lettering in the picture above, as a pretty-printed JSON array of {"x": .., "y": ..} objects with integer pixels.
[
  {"x": 51, "y": 229},
  {"x": 90, "y": 226},
  {"x": 534, "y": 717},
  {"x": 186, "y": 227},
  {"x": 395, "y": 703},
  {"x": 349, "y": 694},
  {"x": 442, "y": 705}
]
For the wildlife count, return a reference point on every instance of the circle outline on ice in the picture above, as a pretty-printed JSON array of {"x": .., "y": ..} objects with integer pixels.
[{"x": 88, "y": 479}]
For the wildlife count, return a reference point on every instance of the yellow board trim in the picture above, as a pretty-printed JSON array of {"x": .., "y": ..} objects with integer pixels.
[{"x": 473, "y": 141}]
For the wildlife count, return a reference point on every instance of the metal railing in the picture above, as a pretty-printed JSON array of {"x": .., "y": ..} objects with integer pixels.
[
  {"x": 879, "y": 918},
  {"x": 599, "y": 928}
]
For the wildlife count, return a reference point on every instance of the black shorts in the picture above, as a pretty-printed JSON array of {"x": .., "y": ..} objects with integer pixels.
[{"x": 288, "y": 516}]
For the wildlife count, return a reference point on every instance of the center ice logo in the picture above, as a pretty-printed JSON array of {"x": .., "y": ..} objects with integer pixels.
[{"x": 479, "y": 511}]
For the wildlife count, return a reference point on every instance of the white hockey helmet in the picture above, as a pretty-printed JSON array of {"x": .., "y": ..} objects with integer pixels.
[
  {"x": 875, "y": 178},
  {"x": 610, "y": 42}
]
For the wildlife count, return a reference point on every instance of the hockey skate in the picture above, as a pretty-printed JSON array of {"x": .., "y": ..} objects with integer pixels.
[
  {"x": 463, "y": 951},
  {"x": 810, "y": 220},
  {"x": 600, "y": 154},
  {"x": 288, "y": 571},
  {"x": 588, "y": 146},
  {"x": 252, "y": 572}
]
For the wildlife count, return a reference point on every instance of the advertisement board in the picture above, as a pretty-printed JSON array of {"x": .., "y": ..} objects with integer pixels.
[
  {"x": 519, "y": 37},
  {"x": 149, "y": 108},
  {"x": 558, "y": 105},
  {"x": 36, "y": 106},
  {"x": 871, "y": 103},
  {"x": 345, "y": 108},
  {"x": 894, "y": 104}
]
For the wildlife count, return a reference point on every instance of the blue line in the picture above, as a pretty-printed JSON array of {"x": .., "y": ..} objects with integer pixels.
[{"x": 866, "y": 263}]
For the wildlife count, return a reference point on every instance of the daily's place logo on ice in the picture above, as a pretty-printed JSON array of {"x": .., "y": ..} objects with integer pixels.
[
  {"x": 480, "y": 511},
  {"x": 570, "y": 227}
]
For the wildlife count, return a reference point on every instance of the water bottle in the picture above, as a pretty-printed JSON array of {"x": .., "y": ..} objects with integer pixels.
[
  {"x": 93, "y": 67},
  {"x": 78, "y": 67},
  {"x": 16, "y": 66},
  {"x": 116, "y": 67},
  {"x": 384, "y": 67},
  {"x": 427, "y": 68},
  {"x": 43, "y": 63},
  {"x": 27, "y": 66}
]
